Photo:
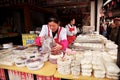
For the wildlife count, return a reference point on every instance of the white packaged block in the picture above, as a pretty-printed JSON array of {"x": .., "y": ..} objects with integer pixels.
[
  {"x": 99, "y": 75},
  {"x": 112, "y": 68},
  {"x": 86, "y": 74}
]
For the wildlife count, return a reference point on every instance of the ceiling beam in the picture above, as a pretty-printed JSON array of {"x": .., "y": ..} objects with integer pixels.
[{"x": 66, "y": 4}]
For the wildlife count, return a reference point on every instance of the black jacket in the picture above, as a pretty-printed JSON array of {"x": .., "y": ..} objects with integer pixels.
[{"x": 118, "y": 43}]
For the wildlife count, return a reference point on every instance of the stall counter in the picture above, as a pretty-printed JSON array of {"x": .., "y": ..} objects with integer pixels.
[
  {"x": 71, "y": 77},
  {"x": 47, "y": 70}
]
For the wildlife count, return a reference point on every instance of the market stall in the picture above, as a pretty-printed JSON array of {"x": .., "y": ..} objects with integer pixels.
[{"x": 91, "y": 57}]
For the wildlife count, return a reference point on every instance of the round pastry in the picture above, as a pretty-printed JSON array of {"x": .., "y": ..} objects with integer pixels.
[
  {"x": 20, "y": 47},
  {"x": 8, "y": 45},
  {"x": 34, "y": 63},
  {"x": 69, "y": 56},
  {"x": 53, "y": 58},
  {"x": 86, "y": 66},
  {"x": 44, "y": 57},
  {"x": 99, "y": 72},
  {"x": 99, "y": 75},
  {"x": 86, "y": 70},
  {"x": 63, "y": 61},
  {"x": 64, "y": 72},
  {"x": 20, "y": 61},
  {"x": 113, "y": 77},
  {"x": 75, "y": 73},
  {"x": 86, "y": 74}
]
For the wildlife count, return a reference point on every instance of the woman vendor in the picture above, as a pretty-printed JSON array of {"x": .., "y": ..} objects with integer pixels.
[
  {"x": 71, "y": 31},
  {"x": 52, "y": 29}
]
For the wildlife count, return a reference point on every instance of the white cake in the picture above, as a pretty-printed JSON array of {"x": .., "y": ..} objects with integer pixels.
[{"x": 8, "y": 45}]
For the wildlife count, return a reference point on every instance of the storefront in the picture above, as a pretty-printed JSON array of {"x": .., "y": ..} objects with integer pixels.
[{"x": 91, "y": 56}]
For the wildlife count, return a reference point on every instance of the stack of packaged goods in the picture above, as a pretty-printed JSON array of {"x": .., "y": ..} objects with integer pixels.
[
  {"x": 92, "y": 46},
  {"x": 86, "y": 64},
  {"x": 31, "y": 52},
  {"x": 20, "y": 58},
  {"x": 112, "y": 70},
  {"x": 43, "y": 55},
  {"x": 6, "y": 57},
  {"x": 111, "y": 48},
  {"x": 75, "y": 67},
  {"x": 19, "y": 50},
  {"x": 8, "y": 45},
  {"x": 70, "y": 63},
  {"x": 76, "y": 64},
  {"x": 98, "y": 66},
  {"x": 34, "y": 63},
  {"x": 20, "y": 61},
  {"x": 53, "y": 58},
  {"x": 89, "y": 38},
  {"x": 64, "y": 65},
  {"x": 91, "y": 41},
  {"x": 113, "y": 54}
]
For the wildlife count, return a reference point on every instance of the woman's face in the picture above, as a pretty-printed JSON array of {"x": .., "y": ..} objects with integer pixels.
[
  {"x": 53, "y": 26},
  {"x": 72, "y": 21}
]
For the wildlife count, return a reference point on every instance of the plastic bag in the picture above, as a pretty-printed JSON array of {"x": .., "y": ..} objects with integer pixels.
[{"x": 47, "y": 44}]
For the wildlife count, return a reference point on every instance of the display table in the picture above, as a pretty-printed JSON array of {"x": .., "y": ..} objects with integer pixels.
[
  {"x": 47, "y": 70},
  {"x": 58, "y": 75}
]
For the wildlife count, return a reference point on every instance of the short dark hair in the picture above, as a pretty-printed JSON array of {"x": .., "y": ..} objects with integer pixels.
[
  {"x": 70, "y": 19},
  {"x": 53, "y": 19}
]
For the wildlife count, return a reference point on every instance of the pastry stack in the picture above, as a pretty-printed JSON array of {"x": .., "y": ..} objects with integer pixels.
[
  {"x": 98, "y": 67},
  {"x": 53, "y": 57},
  {"x": 7, "y": 60},
  {"x": 20, "y": 61},
  {"x": 79, "y": 55},
  {"x": 112, "y": 70},
  {"x": 89, "y": 38},
  {"x": 34, "y": 63},
  {"x": 86, "y": 65},
  {"x": 43, "y": 55},
  {"x": 64, "y": 65},
  {"x": 31, "y": 52},
  {"x": 75, "y": 67},
  {"x": 8, "y": 45},
  {"x": 70, "y": 54},
  {"x": 111, "y": 48},
  {"x": 19, "y": 50},
  {"x": 7, "y": 57},
  {"x": 113, "y": 54},
  {"x": 110, "y": 45},
  {"x": 75, "y": 64}
]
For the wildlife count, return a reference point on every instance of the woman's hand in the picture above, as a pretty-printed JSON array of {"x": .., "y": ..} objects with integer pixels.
[
  {"x": 56, "y": 49},
  {"x": 38, "y": 41},
  {"x": 42, "y": 39}
]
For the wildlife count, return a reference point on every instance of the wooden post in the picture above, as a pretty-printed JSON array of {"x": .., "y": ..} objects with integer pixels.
[{"x": 27, "y": 18}]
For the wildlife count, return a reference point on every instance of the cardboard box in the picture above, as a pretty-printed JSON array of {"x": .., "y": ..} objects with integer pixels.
[{"x": 28, "y": 38}]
